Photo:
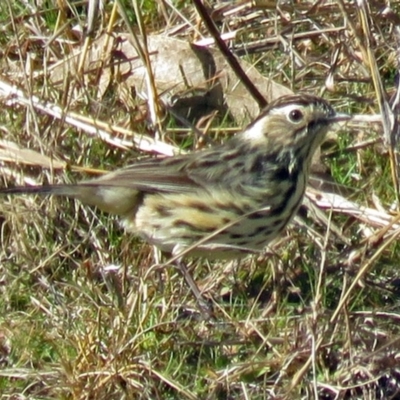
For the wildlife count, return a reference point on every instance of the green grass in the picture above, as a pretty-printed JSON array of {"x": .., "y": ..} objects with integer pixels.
[{"x": 85, "y": 312}]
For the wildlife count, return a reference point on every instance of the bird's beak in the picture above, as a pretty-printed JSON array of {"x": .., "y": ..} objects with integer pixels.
[{"x": 340, "y": 117}]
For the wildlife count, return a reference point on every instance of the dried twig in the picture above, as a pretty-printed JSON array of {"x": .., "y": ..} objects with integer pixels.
[{"x": 87, "y": 124}]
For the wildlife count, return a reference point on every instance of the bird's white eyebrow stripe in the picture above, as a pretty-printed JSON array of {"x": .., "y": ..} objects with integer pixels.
[{"x": 287, "y": 108}]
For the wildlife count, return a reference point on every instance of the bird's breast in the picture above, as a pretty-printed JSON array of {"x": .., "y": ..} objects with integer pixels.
[{"x": 227, "y": 223}]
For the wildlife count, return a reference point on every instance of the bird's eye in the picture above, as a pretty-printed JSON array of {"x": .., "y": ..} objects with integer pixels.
[{"x": 295, "y": 116}]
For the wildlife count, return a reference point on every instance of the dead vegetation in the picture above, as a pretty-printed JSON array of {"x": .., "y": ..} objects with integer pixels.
[{"x": 86, "y": 312}]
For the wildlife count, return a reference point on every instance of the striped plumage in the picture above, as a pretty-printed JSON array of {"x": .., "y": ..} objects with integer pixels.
[{"x": 253, "y": 184}]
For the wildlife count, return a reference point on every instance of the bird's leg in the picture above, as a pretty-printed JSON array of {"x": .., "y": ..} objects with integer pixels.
[
  {"x": 203, "y": 305},
  {"x": 159, "y": 273}
]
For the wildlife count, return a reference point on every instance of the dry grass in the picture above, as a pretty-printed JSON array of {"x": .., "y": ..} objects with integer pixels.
[{"x": 85, "y": 313}]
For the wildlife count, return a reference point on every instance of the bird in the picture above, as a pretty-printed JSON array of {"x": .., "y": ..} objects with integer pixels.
[{"x": 224, "y": 202}]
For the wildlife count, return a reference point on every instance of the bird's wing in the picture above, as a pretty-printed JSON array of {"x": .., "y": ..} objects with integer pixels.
[
  {"x": 154, "y": 175},
  {"x": 184, "y": 173}
]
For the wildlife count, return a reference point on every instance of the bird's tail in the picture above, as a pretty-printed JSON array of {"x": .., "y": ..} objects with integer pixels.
[
  {"x": 58, "y": 190},
  {"x": 111, "y": 199}
]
